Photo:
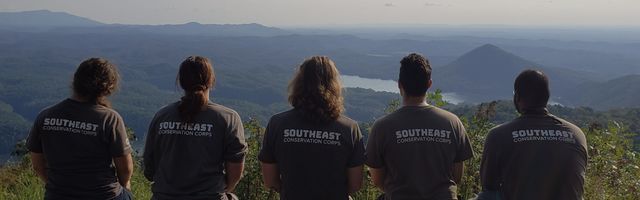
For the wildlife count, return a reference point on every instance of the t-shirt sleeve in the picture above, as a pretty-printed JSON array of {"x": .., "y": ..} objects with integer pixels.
[
  {"x": 374, "y": 157},
  {"x": 119, "y": 144},
  {"x": 267, "y": 151},
  {"x": 235, "y": 144},
  {"x": 464, "y": 151},
  {"x": 490, "y": 164},
  {"x": 357, "y": 157},
  {"x": 34, "y": 144}
]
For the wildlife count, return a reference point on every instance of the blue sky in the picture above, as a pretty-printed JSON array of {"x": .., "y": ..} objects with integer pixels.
[{"x": 347, "y": 12}]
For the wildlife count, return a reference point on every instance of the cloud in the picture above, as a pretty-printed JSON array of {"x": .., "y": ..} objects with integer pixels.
[{"x": 389, "y": 5}]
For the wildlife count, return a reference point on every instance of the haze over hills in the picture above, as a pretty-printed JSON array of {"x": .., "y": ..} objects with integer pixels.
[
  {"x": 253, "y": 64},
  {"x": 623, "y": 92},
  {"x": 57, "y": 22},
  {"x": 44, "y": 18},
  {"x": 486, "y": 73}
]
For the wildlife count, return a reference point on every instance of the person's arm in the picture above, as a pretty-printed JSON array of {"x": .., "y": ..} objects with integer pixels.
[
  {"x": 354, "y": 179},
  {"x": 149, "y": 166},
  {"x": 374, "y": 155},
  {"x": 490, "y": 166},
  {"x": 457, "y": 170},
  {"x": 120, "y": 149},
  {"x": 233, "y": 173},
  {"x": 377, "y": 177},
  {"x": 34, "y": 145},
  {"x": 235, "y": 149},
  {"x": 39, "y": 165},
  {"x": 124, "y": 170},
  {"x": 271, "y": 176}
]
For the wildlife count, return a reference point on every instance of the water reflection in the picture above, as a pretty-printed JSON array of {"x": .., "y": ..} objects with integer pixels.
[{"x": 382, "y": 85}]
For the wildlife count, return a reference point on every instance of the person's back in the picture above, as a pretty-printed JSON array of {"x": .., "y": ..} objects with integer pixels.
[
  {"x": 537, "y": 155},
  {"x": 194, "y": 149},
  {"x": 417, "y": 146},
  {"x": 312, "y": 158},
  {"x": 313, "y": 151},
  {"x": 417, "y": 151},
  {"x": 186, "y": 160},
  {"x": 542, "y": 157},
  {"x": 77, "y": 140}
]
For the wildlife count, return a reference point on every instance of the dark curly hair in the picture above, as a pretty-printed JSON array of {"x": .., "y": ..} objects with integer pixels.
[
  {"x": 195, "y": 76},
  {"x": 316, "y": 90},
  {"x": 95, "y": 79}
]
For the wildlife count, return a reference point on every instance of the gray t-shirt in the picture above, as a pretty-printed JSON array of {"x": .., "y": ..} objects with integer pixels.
[
  {"x": 312, "y": 158},
  {"x": 186, "y": 160},
  {"x": 536, "y": 156},
  {"x": 417, "y": 147},
  {"x": 79, "y": 141}
]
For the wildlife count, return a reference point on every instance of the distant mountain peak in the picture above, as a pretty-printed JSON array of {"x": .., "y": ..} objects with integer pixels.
[
  {"x": 489, "y": 46},
  {"x": 44, "y": 18},
  {"x": 489, "y": 50},
  {"x": 193, "y": 24},
  {"x": 492, "y": 56}
]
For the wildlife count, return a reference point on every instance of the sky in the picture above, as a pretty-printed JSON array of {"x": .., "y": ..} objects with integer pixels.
[{"x": 309, "y": 13}]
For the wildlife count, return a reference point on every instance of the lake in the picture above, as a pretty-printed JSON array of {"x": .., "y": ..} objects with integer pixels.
[{"x": 382, "y": 85}]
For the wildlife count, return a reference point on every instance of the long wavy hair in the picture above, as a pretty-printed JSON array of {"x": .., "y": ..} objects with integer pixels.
[
  {"x": 96, "y": 79},
  {"x": 195, "y": 77},
  {"x": 316, "y": 90}
]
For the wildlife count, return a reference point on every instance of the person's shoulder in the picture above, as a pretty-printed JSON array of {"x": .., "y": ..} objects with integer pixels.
[
  {"x": 52, "y": 107},
  {"x": 445, "y": 114},
  {"x": 386, "y": 119},
  {"x": 502, "y": 128},
  {"x": 500, "y": 132},
  {"x": 568, "y": 124},
  {"x": 346, "y": 120},
  {"x": 168, "y": 107},
  {"x": 222, "y": 110},
  {"x": 283, "y": 116}
]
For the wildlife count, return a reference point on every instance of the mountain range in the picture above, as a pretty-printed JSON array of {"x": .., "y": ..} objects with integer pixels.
[
  {"x": 61, "y": 22},
  {"x": 253, "y": 64}
]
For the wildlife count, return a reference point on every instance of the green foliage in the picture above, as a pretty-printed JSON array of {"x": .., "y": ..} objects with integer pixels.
[
  {"x": 613, "y": 171},
  {"x": 250, "y": 186},
  {"x": 477, "y": 128},
  {"x": 19, "y": 182},
  {"x": 12, "y": 128},
  {"x": 436, "y": 98}
]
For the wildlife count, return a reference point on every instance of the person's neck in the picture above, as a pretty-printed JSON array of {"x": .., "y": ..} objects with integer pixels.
[
  {"x": 206, "y": 95},
  {"x": 535, "y": 110},
  {"x": 414, "y": 101},
  {"x": 78, "y": 98}
]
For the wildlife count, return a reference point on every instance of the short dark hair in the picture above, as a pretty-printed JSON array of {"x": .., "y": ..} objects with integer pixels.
[
  {"x": 532, "y": 87},
  {"x": 415, "y": 73}
]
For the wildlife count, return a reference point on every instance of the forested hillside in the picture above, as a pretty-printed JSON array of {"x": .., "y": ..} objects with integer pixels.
[
  {"x": 254, "y": 63},
  {"x": 12, "y": 128}
]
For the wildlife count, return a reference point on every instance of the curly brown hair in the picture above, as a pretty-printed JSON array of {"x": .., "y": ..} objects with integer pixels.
[
  {"x": 316, "y": 90},
  {"x": 95, "y": 79}
]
